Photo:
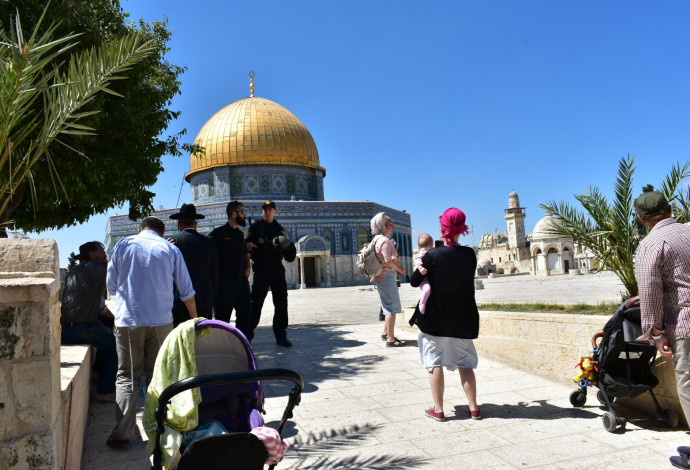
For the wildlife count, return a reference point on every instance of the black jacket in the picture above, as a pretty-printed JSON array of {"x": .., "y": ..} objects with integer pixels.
[
  {"x": 200, "y": 256},
  {"x": 232, "y": 251},
  {"x": 451, "y": 309},
  {"x": 84, "y": 287}
]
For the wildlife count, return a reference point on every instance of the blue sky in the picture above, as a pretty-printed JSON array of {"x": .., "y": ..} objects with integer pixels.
[{"x": 427, "y": 105}]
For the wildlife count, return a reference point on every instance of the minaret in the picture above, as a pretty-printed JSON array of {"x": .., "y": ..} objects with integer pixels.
[{"x": 515, "y": 217}]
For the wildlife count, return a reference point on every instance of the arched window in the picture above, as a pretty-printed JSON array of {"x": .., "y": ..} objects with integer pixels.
[
  {"x": 565, "y": 249},
  {"x": 328, "y": 236},
  {"x": 553, "y": 250},
  {"x": 538, "y": 252},
  {"x": 345, "y": 241}
]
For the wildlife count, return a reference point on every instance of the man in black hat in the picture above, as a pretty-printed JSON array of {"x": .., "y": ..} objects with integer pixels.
[
  {"x": 200, "y": 256},
  {"x": 662, "y": 269},
  {"x": 233, "y": 270},
  {"x": 268, "y": 250}
]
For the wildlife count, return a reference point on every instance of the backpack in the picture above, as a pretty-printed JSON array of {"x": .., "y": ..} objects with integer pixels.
[{"x": 367, "y": 261}]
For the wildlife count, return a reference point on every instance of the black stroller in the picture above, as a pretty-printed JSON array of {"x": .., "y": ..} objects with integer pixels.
[
  {"x": 231, "y": 392},
  {"x": 625, "y": 366}
]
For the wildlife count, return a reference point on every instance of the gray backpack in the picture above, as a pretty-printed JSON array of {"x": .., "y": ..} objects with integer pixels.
[{"x": 367, "y": 262}]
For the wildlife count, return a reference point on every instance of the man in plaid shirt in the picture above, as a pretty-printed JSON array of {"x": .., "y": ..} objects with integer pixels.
[{"x": 662, "y": 269}]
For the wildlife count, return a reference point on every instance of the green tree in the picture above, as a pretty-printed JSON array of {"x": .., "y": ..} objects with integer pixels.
[
  {"x": 28, "y": 76},
  {"x": 71, "y": 262},
  {"x": 93, "y": 173},
  {"x": 610, "y": 230}
]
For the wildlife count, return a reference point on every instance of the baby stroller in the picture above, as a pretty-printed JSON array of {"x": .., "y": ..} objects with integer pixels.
[
  {"x": 230, "y": 400},
  {"x": 625, "y": 366}
]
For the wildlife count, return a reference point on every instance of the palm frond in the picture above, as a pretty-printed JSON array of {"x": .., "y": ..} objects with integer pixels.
[{"x": 28, "y": 72}]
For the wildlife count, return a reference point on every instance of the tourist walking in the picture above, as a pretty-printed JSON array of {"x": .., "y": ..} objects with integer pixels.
[
  {"x": 200, "y": 257},
  {"x": 451, "y": 320},
  {"x": 382, "y": 228},
  {"x": 86, "y": 320},
  {"x": 234, "y": 269},
  {"x": 141, "y": 274},
  {"x": 662, "y": 269}
]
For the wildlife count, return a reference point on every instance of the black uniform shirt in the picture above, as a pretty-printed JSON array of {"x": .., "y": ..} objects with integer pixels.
[
  {"x": 231, "y": 251},
  {"x": 261, "y": 234}
]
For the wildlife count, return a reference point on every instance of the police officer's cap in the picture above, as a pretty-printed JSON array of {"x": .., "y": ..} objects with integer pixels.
[{"x": 269, "y": 204}]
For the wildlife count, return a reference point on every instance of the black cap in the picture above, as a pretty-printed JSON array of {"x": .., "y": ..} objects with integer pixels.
[
  {"x": 187, "y": 210},
  {"x": 270, "y": 204}
]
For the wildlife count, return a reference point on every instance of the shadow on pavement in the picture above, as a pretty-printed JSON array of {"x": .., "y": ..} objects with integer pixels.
[{"x": 313, "y": 451}]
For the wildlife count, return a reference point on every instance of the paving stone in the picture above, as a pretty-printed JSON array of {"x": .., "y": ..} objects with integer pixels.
[{"x": 363, "y": 403}]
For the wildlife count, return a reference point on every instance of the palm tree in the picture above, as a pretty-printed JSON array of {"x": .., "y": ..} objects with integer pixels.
[
  {"x": 40, "y": 101},
  {"x": 610, "y": 230}
]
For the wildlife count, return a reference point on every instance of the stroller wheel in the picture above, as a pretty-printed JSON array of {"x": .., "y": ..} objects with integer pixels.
[
  {"x": 670, "y": 417},
  {"x": 578, "y": 398},
  {"x": 601, "y": 396},
  {"x": 610, "y": 421}
]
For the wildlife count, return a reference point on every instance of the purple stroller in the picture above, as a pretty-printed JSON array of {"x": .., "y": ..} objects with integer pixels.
[{"x": 231, "y": 394}]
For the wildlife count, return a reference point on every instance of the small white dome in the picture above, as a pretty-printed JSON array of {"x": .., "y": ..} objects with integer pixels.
[
  {"x": 541, "y": 230},
  {"x": 483, "y": 262}
]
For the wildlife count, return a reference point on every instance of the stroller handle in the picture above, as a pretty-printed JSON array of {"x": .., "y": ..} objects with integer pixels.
[
  {"x": 228, "y": 378},
  {"x": 595, "y": 338}
]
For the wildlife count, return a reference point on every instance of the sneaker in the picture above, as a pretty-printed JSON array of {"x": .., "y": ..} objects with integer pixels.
[
  {"x": 477, "y": 414},
  {"x": 680, "y": 462},
  {"x": 433, "y": 414},
  {"x": 684, "y": 451},
  {"x": 284, "y": 342}
]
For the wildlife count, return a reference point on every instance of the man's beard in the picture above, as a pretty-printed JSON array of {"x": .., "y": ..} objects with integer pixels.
[{"x": 241, "y": 221}]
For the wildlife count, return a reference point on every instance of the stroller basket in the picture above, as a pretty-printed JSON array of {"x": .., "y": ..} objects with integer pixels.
[{"x": 212, "y": 380}]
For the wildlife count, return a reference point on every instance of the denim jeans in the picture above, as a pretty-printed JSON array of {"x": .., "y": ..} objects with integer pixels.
[{"x": 101, "y": 338}]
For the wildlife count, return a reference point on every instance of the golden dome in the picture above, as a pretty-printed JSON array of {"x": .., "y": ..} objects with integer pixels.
[{"x": 254, "y": 131}]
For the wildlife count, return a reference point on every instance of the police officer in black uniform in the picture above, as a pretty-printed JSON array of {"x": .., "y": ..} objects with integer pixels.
[
  {"x": 270, "y": 244},
  {"x": 233, "y": 270}
]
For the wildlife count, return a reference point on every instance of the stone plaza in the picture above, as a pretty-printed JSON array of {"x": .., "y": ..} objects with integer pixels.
[{"x": 363, "y": 403}]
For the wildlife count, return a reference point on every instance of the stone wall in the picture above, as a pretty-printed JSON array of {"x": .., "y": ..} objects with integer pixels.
[
  {"x": 550, "y": 345},
  {"x": 30, "y": 407}
]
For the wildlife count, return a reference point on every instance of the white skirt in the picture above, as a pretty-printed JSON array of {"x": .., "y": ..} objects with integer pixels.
[{"x": 444, "y": 351}]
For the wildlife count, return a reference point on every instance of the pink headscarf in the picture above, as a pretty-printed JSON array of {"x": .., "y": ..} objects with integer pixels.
[{"x": 452, "y": 224}]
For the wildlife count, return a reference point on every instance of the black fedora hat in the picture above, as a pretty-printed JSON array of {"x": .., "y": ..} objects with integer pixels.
[{"x": 187, "y": 210}]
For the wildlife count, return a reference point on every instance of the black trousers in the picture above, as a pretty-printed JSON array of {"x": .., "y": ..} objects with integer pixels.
[
  {"x": 233, "y": 293},
  {"x": 272, "y": 276},
  {"x": 181, "y": 314}
]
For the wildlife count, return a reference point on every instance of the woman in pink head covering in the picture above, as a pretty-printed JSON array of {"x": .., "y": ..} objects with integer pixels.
[{"x": 451, "y": 319}]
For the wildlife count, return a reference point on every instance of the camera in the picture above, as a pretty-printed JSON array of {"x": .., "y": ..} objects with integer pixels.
[{"x": 279, "y": 243}]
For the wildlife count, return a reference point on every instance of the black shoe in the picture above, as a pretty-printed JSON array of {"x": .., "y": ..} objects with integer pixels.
[
  {"x": 284, "y": 342},
  {"x": 382, "y": 317},
  {"x": 679, "y": 462},
  {"x": 684, "y": 452}
]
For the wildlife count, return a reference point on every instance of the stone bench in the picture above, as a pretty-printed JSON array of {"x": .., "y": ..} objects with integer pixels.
[{"x": 75, "y": 381}]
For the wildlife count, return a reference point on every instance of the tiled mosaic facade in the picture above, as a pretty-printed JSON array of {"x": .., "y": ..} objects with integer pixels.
[
  {"x": 257, "y": 182},
  {"x": 344, "y": 226}
]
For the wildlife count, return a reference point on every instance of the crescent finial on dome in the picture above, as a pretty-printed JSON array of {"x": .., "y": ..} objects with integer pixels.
[{"x": 251, "y": 84}]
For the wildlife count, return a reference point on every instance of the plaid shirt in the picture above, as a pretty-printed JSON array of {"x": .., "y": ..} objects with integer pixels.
[{"x": 662, "y": 268}]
